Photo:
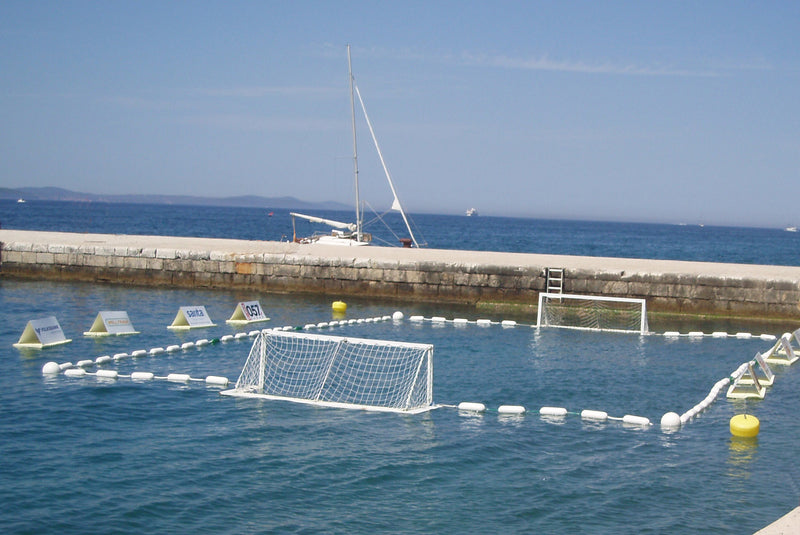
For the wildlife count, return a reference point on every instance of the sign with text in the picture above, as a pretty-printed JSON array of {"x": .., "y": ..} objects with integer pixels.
[
  {"x": 247, "y": 312},
  {"x": 110, "y": 322},
  {"x": 43, "y": 332},
  {"x": 191, "y": 317}
]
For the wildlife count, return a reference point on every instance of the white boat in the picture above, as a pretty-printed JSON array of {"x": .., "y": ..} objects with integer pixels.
[
  {"x": 472, "y": 212},
  {"x": 20, "y": 200},
  {"x": 791, "y": 229},
  {"x": 352, "y": 234}
]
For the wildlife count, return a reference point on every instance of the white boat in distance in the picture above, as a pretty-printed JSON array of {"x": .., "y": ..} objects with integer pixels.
[
  {"x": 472, "y": 212},
  {"x": 352, "y": 234},
  {"x": 791, "y": 229}
]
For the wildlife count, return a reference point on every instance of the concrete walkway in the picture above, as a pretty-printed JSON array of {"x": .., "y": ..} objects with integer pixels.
[
  {"x": 788, "y": 524},
  {"x": 240, "y": 247}
]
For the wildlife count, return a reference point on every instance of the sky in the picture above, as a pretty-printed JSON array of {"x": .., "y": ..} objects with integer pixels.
[{"x": 674, "y": 112}]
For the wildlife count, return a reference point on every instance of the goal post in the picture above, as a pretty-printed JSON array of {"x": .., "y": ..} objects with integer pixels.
[
  {"x": 592, "y": 312},
  {"x": 336, "y": 371}
]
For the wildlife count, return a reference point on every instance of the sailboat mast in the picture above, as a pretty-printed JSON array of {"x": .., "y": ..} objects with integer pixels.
[{"x": 355, "y": 145}]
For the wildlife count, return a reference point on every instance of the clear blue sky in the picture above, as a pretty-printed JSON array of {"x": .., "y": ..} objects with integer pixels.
[{"x": 629, "y": 111}]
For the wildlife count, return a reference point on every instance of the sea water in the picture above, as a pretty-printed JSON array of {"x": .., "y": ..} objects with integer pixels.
[{"x": 87, "y": 455}]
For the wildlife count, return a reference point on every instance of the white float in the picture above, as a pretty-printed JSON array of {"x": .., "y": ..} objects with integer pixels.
[
  {"x": 587, "y": 414},
  {"x": 178, "y": 377},
  {"x": 217, "y": 380},
  {"x": 635, "y": 420},
  {"x": 511, "y": 409},
  {"x": 51, "y": 368},
  {"x": 142, "y": 376},
  {"x": 107, "y": 374},
  {"x": 558, "y": 412},
  {"x": 471, "y": 406},
  {"x": 670, "y": 420}
]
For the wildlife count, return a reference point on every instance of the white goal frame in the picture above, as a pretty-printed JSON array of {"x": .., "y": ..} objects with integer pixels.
[
  {"x": 335, "y": 371},
  {"x": 643, "y": 326}
]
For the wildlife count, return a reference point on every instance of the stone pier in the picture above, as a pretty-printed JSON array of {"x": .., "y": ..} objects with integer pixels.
[{"x": 435, "y": 275}]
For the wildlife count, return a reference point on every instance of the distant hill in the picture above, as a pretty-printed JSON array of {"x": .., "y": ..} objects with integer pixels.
[{"x": 244, "y": 201}]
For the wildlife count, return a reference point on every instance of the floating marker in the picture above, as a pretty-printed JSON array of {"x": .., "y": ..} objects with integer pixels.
[
  {"x": 107, "y": 374},
  {"x": 508, "y": 323},
  {"x": 139, "y": 353},
  {"x": 178, "y": 377},
  {"x": 202, "y": 342},
  {"x": 156, "y": 350},
  {"x": 672, "y": 334},
  {"x": 75, "y": 372},
  {"x": 472, "y": 407},
  {"x": 142, "y": 376},
  {"x": 240, "y": 335},
  {"x": 719, "y": 334},
  {"x": 84, "y": 363},
  {"x": 339, "y": 307},
  {"x": 416, "y": 318},
  {"x": 41, "y": 333},
  {"x": 226, "y": 338},
  {"x": 670, "y": 420},
  {"x": 187, "y": 345},
  {"x": 191, "y": 317},
  {"x": 51, "y": 368},
  {"x": 118, "y": 356},
  {"x": 696, "y": 334},
  {"x": 587, "y": 414},
  {"x": 511, "y": 409},
  {"x": 102, "y": 360},
  {"x": 460, "y": 321},
  {"x": 247, "y": 312},
  {"x": 484, "y": 322},
  {"x": 559, "y": 412},
  {"x": 745, "y": 426},
  {"x": 172, "y": 348},
  {"x": 438, "y": 319},
  {"x": 217, "y": 380},
  {"x": 744, "y": 335},
  {"x": 635, "y": 420},
  {"x": 110, "y": 322}
]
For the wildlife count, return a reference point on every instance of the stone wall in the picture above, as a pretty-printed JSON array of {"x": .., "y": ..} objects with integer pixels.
[{"x": 452, "y": 276}]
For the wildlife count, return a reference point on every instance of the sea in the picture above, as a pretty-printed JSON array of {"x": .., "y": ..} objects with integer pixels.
[{"x": 96, "y": 455}]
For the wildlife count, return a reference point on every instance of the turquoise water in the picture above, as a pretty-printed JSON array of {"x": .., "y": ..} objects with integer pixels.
[{"x": 85, "y": 455}]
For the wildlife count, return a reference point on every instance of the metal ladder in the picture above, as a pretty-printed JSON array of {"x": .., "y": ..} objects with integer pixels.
[{"x": 555, "y": 280}]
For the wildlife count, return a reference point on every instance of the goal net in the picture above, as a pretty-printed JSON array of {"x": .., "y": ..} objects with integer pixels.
[
  {"x": 335, "y": 371},
  {"x": 592, "y": 312}
]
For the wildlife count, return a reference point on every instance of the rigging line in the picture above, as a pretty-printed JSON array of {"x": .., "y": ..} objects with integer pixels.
[{"x": 385, "y": 169}]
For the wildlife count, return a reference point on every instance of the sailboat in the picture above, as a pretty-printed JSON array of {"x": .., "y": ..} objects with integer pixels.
[{"x": 352, "y": 234}]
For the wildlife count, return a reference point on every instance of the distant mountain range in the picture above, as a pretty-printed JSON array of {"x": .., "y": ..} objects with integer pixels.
[{"x": 244, "y": 201}]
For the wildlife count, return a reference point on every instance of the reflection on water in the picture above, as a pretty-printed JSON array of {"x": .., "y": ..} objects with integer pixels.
[{"x": 742, "y": 452}]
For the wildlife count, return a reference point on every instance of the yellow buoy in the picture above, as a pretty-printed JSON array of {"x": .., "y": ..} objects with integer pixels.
[
  {"x": 339, "y": 306},
  {"x": 743, "y": 425}
]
